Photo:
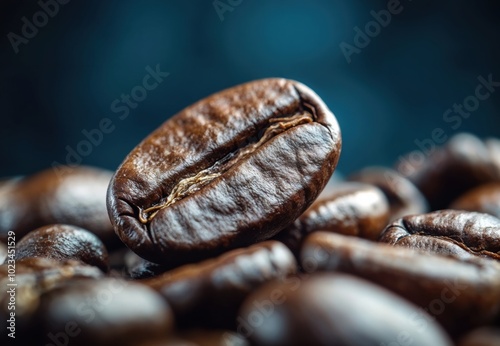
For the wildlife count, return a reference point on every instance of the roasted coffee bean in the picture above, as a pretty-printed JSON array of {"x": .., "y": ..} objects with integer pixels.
[
  {"x": 463, "y": 163},
  {"x": 68, "y": 195},
  {"x": 334, "y": 309},
  {"x": 404, "y": 198},
  {"x": 209, "y": 293},
  {"x": 484, "y": 199},
  {"x": 348, "y": 208},
  {"x": 486, "y": 336},
  {"x": 103, "y": 312},
  {"x": 460, "y": 234},
  {"x": 63, "y": 242},
  {"x": 229, "y": 171},
  {"x": 459, "y": 294},
  {"x": 31, "y": 278}
]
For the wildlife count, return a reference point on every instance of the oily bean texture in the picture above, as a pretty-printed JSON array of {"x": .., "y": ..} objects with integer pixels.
[
  {"x": 64, "y": 242},
  {"x": 210, "y": 292},
  {"x": 334, "y": 309},
  {"x": 404, "y": 198},
  {"x": 231, "y": 170},
  {"x": 484, "y": 199},
  {"x": 459, "y": 294},
  {"x": 347, "y": 208},
  {"x": 454, "y": 233},
  {"x": 68, "y": 195},
  {"x": 106, "y": 312}
]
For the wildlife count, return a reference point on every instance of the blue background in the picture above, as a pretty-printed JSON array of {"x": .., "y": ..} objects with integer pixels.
[{"x": 393, "y": 92}]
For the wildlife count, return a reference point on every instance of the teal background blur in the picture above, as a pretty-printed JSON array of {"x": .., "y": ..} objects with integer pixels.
[{"x": 393, "y": 93}]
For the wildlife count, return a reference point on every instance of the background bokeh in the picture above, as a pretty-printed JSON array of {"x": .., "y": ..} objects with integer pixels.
[{"x": 394, "y": 92}]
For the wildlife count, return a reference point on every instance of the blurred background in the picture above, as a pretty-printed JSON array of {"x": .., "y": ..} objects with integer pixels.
[{"x": 389, "y": 70}]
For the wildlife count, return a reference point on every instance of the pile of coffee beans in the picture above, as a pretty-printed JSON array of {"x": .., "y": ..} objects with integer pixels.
[{"x": 227, "y": 226}]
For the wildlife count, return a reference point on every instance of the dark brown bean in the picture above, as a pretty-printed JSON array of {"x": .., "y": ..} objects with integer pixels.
[
  {"x": 229, "y": 171},
  {"x": 63, "y": 242},
  {"x": 69, "y": 195},
  {"x": 460, "y": 294},
  {"x": 463, "y": 163},
  {"x": 483, "y": 199},
  {"x": 33, "y": 277},
  {"x": 348, "y": 208},
  {"x": 209, "y": 293},
  {"x": 103, "y": 312},
  {"x": 334, "y": 309},
  {"x": 447, "y": 232},
  {"x": 481, "y": 337},
  {"x": 404, "y": 198}
]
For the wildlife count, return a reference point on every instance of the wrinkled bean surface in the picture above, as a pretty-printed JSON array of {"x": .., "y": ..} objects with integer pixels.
[
  {"x": 231, "y": 170},
  {"x": 63, "y": 242},
  {"x": 447, "y": 232},
  {"x": 347, "y": 208}
]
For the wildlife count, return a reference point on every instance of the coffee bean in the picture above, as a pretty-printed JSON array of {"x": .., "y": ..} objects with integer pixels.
[
  {"x": 69, "y": 195},
  {"x": 484, "y": 199},
  {"x": 404, "y": 198},
  {"x": 486, "y": 336},
  {"x": 48, "y": 267},
  {"x": 103, "y": 312},
  {"x": 231, "y": 170},
  {"x": 348, "y": 208},
  {"x": 209, "y": 293},
  {"x": 460, "y": 294},
  {"x": 24, "y": 283},
  {"x": 447, "y": 232},
  {"x": 334, "y": 309},
  {"x": 464, "y": 162},
  {"x": 63, "y": 242}
]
